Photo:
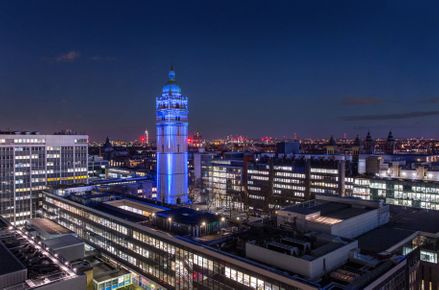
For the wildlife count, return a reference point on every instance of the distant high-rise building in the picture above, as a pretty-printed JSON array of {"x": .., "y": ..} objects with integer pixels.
[
  {"x": 172, "y": 148},
  {"x": 146, "y": 137},
  {"x": 29, "y": 163}
]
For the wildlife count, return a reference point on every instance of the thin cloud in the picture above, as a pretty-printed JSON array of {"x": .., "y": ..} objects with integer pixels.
[
  {"x": 397, "y": 116},
  {"x": 70, "y": 56},
  {"x": 99, "y": 58},
  {"x": 361, "y": 101}
]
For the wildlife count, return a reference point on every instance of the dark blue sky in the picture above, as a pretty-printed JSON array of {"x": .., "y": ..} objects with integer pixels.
[{"x": 249, "y": 67}]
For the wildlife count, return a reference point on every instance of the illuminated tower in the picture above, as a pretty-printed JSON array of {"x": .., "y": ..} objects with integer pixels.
[{"x": 172, "y": 156}]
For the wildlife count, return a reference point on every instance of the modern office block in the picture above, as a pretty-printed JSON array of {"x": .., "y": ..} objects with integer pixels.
[
  {"x": 30, "y": 162},
  {"x": 149, "y": 245},
  {"x": 182, "y": 248}
]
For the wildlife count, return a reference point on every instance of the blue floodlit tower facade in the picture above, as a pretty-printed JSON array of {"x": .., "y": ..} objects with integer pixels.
[{"x": 172, "y": 131}]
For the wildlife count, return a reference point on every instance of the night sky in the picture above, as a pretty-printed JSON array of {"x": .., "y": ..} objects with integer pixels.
[{"x": 256, "y": 68}]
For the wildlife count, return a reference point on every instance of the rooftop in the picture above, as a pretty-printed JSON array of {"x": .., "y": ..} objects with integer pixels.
[
  {"x": 142, "y": 210},
  {"x": 403, "y": 223},
  {"x": 184, "y": 215},
  {"x": 19, "y": 251},
  {"x": 135, "y": 206},
  {"x": 359, "y": 271},
  {"x": 103, "y": 272},
  {"x": 306, "y": 247},
  {"x": 63, "y": 241},
  {"x": 49, "y": 227},
  {"x": 330, "y": 210}
]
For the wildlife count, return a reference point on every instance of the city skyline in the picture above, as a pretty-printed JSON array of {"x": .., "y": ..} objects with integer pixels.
[
  {"x": 250, "y": 69},
  {"x": 194, "y": 145}
]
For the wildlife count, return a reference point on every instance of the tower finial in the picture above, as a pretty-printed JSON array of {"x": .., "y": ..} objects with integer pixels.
[{"x": 171, "y": 74}]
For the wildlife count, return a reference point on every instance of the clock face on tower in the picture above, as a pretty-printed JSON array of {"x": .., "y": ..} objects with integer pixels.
[{"x": 172, "y": 132}]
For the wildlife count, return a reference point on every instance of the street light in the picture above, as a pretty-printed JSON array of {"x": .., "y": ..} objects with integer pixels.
[
  {"x": 203, "y": 224},
  {"x": 170, "y": 223}
]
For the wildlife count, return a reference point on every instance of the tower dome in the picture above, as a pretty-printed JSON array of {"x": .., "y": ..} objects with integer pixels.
[{"x": 171, "y": 85}]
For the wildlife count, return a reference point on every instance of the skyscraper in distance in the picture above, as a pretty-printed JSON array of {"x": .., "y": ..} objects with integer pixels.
[
  {"x": 172, "y": 153},
  {"x": 146, "y": 137}
]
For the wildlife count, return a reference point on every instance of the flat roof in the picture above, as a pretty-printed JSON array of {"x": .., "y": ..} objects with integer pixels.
[
  {"x": 382, "y": 238},
  {"x": 403, "y": 223},
  {"x": 136, "y": 204},
  {"x": 118, "y": 212},
  {"x": 347, "y": 212},
  {"x": 49, "y": 226},
  {"x": 63, "y": 241},
  {"x": 185, "y": 215},
  {"x": 311, "y": 245},
  {"x": 336, "y": 210},
  {"x": 103, "y": 272}
]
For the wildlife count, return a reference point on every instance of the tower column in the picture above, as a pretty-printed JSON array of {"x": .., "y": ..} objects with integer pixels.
[{"x": 172, "y": 152}]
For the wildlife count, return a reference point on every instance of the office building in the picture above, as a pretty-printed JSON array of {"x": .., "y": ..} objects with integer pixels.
[
  {"x": 96, "y": 167},
  {"x": 172, "y": 148},
  {"x": 266, "y": 183},
  {"x": 223, "y": 179},
  {"x": 180, "y": 248},
  {"x": 146, "y": 239},
  {"x": 29, "y": 163}
]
